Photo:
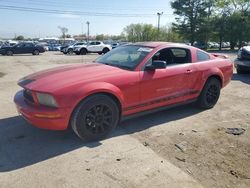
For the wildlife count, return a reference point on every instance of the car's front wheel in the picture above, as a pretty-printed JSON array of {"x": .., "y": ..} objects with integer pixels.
[
  {"x": 95, "y": 117},
  {"x": 70, "y": 51},
  {"x": 9, "y": 53},
  {"x": 83, "y": 51},
  {"x": 105, "y": 50},
  {"x": 36, "y": 52},
  {"x": 210, "y": 93}
]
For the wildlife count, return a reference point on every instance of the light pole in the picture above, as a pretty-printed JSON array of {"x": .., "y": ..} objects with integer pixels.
[
  {"x": 159, "y": 14},
  {"x": 88, "y": 30}
]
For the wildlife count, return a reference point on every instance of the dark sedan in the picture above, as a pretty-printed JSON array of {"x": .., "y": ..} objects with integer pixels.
[
  {"x": 22, "y": 48},
  {"x": 242, "y": 64}
]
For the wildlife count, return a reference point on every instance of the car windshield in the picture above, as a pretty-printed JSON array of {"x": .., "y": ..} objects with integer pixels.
[{"x": 125, "y": 57}]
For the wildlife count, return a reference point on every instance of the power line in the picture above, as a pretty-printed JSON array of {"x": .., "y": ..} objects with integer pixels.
[
  {"x": 40, "y": 10},
  {"x": 69, "y": 4},
  {"x": 55, "y": 11}
]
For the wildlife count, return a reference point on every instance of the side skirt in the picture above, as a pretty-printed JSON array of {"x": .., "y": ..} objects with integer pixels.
[{"x": 127, "y": 117}]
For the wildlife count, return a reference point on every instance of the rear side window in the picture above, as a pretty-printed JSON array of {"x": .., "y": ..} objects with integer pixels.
[
  {"x": 177, "y": 52},
  {"x": 201, "y": 56}
]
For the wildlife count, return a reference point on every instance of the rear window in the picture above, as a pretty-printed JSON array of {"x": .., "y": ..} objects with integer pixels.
[{"x": 201, "y": 56}]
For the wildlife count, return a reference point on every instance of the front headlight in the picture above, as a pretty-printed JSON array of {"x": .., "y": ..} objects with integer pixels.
[{"x": 46, "y": 100}]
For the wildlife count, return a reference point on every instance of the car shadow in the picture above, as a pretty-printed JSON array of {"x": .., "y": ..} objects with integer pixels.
[
  {"x": 22, "y": 145},
  {"x": 245, "y": 78}
]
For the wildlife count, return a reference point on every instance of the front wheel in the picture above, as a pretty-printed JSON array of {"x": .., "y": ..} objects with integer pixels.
[
  {"x": 9, "y": 53},
  {"x": 36, "y": 52},
  {"x": 95, "y": 117},
  {"x": 105, "y": 50},
  {"x": 210, "y": 94},
  {"x": 83, "y": 51}
]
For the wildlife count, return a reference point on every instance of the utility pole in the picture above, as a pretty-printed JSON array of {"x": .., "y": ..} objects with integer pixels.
[
  {"x": 88, "y": 31},
  {"x": 159, "y": 20}
]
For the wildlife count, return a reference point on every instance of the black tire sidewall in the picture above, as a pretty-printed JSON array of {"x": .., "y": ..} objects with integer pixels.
[
  {"x": 78, "y": 121},
  {"x": 83, "y": 51},
  {"x": 202, "y": 101},
  {"x": 9, "y": 53},
  {"x": 105, "y": 50}
]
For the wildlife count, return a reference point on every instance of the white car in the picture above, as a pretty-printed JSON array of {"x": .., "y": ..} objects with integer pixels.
[
  {"x": 70, "y": 49},
  {"x": 92, "y": 47}
]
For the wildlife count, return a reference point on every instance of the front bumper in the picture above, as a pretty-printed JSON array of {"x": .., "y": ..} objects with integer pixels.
[
  {"x": 242, "y": 65},
  {"x": 40, "y": 116}
]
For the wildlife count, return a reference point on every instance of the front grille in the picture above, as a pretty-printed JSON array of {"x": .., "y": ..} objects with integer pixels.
[{"x": 28, "y": 95}]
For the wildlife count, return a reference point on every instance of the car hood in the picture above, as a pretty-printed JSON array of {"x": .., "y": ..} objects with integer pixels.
[
  {"x": 246, "y": 48},
  {"x": 58, "y": 78}
]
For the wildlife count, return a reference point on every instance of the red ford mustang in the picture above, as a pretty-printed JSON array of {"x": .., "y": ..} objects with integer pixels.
[{"x": 93, "y": 98}]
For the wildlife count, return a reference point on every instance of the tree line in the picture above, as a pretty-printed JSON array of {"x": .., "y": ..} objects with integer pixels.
[{"x": 200, "y": 21}]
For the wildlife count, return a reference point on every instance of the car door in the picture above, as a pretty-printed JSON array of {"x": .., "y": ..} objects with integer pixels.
[
  {"x": 170, "y": 85},
  {"x": 28, "y": 48},
  {"x": 92, "y": 47},
  {"x": 19, "y": 49},
  {"x": 98, "y": 47}
]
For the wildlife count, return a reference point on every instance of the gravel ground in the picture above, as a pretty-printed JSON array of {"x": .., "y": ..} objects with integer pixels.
[{"x": 180, "y": 147}]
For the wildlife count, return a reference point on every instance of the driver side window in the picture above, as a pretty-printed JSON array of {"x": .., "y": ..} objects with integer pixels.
[{"x": 172, "y": 56}]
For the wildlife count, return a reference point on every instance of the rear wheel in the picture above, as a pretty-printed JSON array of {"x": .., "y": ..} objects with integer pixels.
[
  {"x": 9, "y": 53},
  {"x": 36, "y": 52},
  {"x": 95, "y": 117},
  {"x": 210, "y": 94}
]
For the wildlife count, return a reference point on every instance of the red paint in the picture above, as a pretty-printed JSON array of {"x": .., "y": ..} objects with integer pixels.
[{"x": 136, "y": 90}]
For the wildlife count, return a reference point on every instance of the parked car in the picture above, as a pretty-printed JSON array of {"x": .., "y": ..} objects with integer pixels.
[
  {"x": 114, "y": 45},
  {"x": 242, "y": 64},
  {"x": 54, "y": 47},
  {"x": 138, "y": 78},
  {"x": 70, "y": 48},
  {"x": 22, "y": 48},
  {"x": 92, "y": 47}
]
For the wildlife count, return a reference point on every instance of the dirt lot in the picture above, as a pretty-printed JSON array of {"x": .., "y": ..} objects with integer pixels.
[{"x": 142, "y": 152}]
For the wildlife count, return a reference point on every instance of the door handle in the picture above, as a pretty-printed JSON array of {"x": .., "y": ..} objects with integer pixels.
[{"x": 189, "y": 71}]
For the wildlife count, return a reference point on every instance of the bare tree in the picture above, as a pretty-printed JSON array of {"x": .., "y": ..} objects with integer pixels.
[{"x": 63, "y": 30}]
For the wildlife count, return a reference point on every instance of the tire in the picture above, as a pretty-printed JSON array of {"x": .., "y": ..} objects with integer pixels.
[
  {"x": 83, "y": 51},
  {"x": 9, "y": 53},
  {"x": 209, "y": 94},
  {"x": 105, "y": 50},
  {"x": 36, "y": 52},
  {"x": 70, "y": 51},
  {"x": 239, "y": 71},
  {"x": 95, "y": 117},
  {"x": 100, "y": 53}
]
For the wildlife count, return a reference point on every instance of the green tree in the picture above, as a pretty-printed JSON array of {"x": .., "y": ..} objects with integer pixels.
[
  {"x": 20, "y": 37},
  {"x": 191, "y": 16}
]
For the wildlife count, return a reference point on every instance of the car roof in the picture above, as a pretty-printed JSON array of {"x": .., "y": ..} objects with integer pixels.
[{"x": 159, "y": 44}]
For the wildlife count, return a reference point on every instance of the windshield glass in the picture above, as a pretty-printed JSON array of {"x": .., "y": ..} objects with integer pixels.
[{"x": 127, "y": 57}]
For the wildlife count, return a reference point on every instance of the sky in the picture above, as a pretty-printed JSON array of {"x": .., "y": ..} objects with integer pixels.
[{"x": 73, "y": 14}]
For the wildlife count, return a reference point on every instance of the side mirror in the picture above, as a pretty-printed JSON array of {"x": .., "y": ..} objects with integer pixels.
[{"x": 156, "y": 65}]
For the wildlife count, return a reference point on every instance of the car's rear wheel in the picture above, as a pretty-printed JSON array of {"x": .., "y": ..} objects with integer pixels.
[
  {"x": 9, "y": 53},
  {"x": 36, "y": 52},
  {"x": 83, "y": 51},
  {"x": 105, "y": 50},
  {"x": 95, "y": 117},
  {"x": 210, "y": 94}
]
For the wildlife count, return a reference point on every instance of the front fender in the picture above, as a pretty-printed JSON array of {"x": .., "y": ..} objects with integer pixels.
[{"x": 93, "y": 88}]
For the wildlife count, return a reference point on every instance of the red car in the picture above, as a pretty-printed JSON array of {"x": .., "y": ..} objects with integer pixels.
[{"x": 92, "y": 98}]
